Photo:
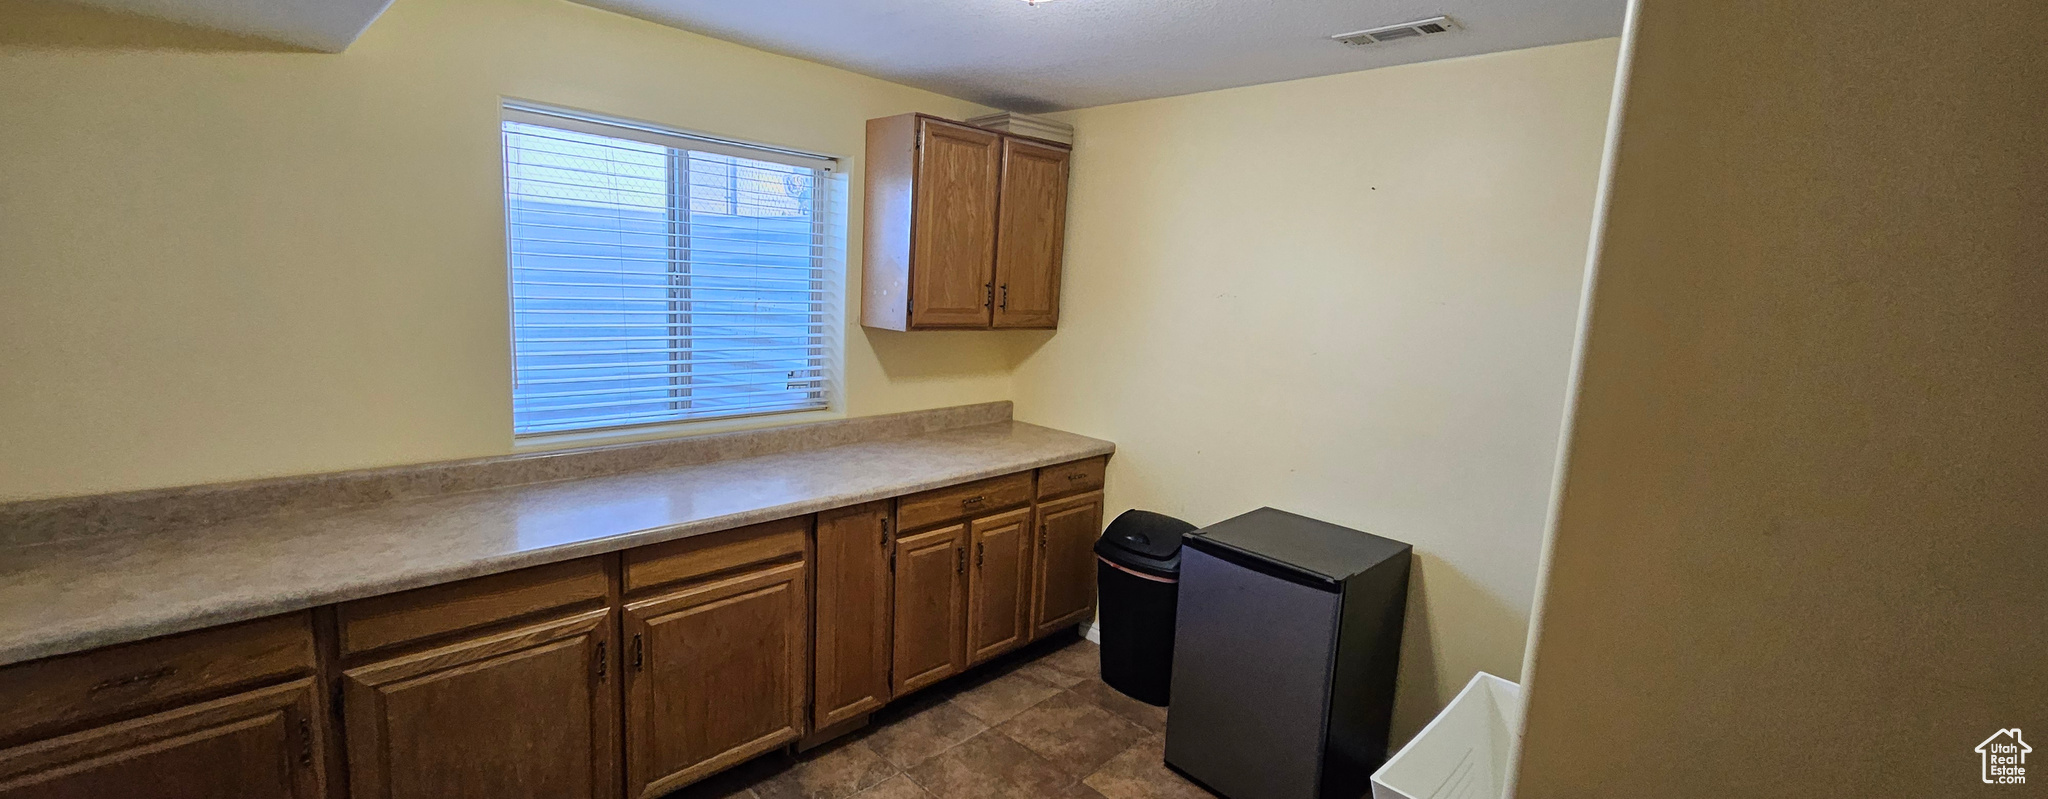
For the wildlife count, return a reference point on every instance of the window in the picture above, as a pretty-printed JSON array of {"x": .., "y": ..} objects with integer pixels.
[{"x": 658, "y": 276}]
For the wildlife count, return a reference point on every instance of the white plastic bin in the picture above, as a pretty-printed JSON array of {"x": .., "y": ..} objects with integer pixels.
[{"x": 1463, "y": 753}]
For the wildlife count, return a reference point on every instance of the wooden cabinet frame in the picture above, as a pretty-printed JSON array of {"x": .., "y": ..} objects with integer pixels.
[
  {"x": 1031, "y": 230},
  {"x": 1067, "y": 529},
  {"x": 273, "y": 733},
  {"x": 854, "y": 590},
  {"x": 578, "y": 646},
  {"x": 999, "y": 585},
  {"x": 531, "y": 680},
  {"x": 929, "y": 608},
  {"x": 670, "y": 698},
  {"x": 965, "y": 226}
]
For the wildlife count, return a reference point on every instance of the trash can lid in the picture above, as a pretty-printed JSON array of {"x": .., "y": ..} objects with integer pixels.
[{"x": 1144, "y": 542}]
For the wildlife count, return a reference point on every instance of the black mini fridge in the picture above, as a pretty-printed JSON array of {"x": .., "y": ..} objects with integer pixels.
[{"x": 1288, "y": 637}]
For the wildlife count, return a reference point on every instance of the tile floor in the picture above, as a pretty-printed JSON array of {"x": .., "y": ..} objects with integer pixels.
[{"x": 1038, "y": 723}]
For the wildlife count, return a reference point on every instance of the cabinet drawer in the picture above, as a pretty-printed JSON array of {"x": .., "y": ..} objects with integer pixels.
[
  {"x": 712, "y": 553},
  {"x": 1071, "y": 478},
  {"x": 958, "y": 502},
  {"x": 417, "y": 615},
  {"x": 255, "y": 744},
  {"x": 61, "y": 691}
]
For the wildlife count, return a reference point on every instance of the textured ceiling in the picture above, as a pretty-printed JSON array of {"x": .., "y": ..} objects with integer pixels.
[
  {"x": 1078, "y": 53},
  {"x": 326, "y": 25}
]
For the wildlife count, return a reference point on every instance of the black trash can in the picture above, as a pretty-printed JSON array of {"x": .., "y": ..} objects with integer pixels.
[{"x": 1137, "y": 569}]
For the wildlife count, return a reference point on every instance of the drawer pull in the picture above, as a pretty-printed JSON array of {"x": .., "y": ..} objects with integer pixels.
[
  {"x": 1073, "y": 476},
  {"x": 973, "y": 500},
  {"x": 134, "y": 679}
]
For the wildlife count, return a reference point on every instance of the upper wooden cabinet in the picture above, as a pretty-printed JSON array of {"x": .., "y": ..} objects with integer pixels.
[
  {"x": 964, "y": 227},
  {"x": 1031, "y": 231}
]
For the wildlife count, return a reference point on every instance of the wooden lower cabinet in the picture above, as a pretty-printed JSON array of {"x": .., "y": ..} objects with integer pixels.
[
  {"x": 930, "y": 623},
  {"x": 999, "y": 584},
  {"x": 1067, "y": 529},
  {"x": 262, "y": 744},
  {"x": 851, "y": 662},
  {"x": 716, "y": 673},
  {"x": 530, "y": 712},
  {"x": 629, "y": 675}
]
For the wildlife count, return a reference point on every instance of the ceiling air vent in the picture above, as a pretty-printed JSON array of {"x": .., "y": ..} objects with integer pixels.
[{"x": 1405, "y": 30}]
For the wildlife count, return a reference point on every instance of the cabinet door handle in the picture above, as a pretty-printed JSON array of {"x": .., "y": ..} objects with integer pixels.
[
  {"x": 988, "y": 294},
  {"x": 603, "y": 663},
  {"x": 305, "y": 742},
  {"x": 133, "y": 679},
  {"x": 1006, "y": 297},
  {"x": 960, "y": 561},
  {"x": 978, "y": 553},
  {"x": 638, "y": 649}
]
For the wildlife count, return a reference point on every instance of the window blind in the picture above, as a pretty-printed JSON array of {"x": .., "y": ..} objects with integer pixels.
[{"x": 658, "y": 276}]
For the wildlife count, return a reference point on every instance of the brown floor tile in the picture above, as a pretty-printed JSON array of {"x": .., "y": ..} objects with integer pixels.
[
  {"x": 713, "y": 790},
  {"x": 1072, "y": 733},
  {"x": 908, "y": 740},
  {"x": 1114, "y": 701},
  {"x": 835, "y": 771},
  {"x": 1049, "y": 675},
  {"x": 1082, "y": 658},
  {"x": 990, "y": 765},
  {"x": 1006, "y": 695},
  {"x": 1075, "y": 791},
  {"x": 1140, "y": 773},
  {"x": 897, "y": 787}
]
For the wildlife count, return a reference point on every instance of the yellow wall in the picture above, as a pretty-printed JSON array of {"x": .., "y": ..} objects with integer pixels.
[
  {"x": 1351, "y": 297},
  {"x": 1801, "y": 538},
  {"x": 220, "y": 259}
]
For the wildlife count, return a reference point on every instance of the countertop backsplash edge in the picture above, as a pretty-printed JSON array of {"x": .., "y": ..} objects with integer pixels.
[{"x": 39, "y": 521}]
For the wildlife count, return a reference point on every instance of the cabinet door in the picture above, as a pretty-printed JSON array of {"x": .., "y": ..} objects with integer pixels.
[
  {"x": 1067, "y": 530},
  {"x": 525, "y": 713},
  {"x": 715, "y": 675},
  {"x": 1031, "y": 234},
  {"x": 262, "y": 744},
  {"x": 931, "y": 581},
  {"x": 953, "y": 225},
  {"x": 999, "y": 584},
  {"x": 852, "y": 674}
]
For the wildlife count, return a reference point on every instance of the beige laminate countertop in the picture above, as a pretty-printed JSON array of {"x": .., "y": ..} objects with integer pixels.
[{"x": 68, "y": 596}]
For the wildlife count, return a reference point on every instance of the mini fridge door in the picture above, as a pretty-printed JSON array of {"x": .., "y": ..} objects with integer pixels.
[{"x": 1251, "y": 668}]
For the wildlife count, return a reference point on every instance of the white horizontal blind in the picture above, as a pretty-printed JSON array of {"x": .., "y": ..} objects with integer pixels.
[{"x": 659, "y": 277}]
